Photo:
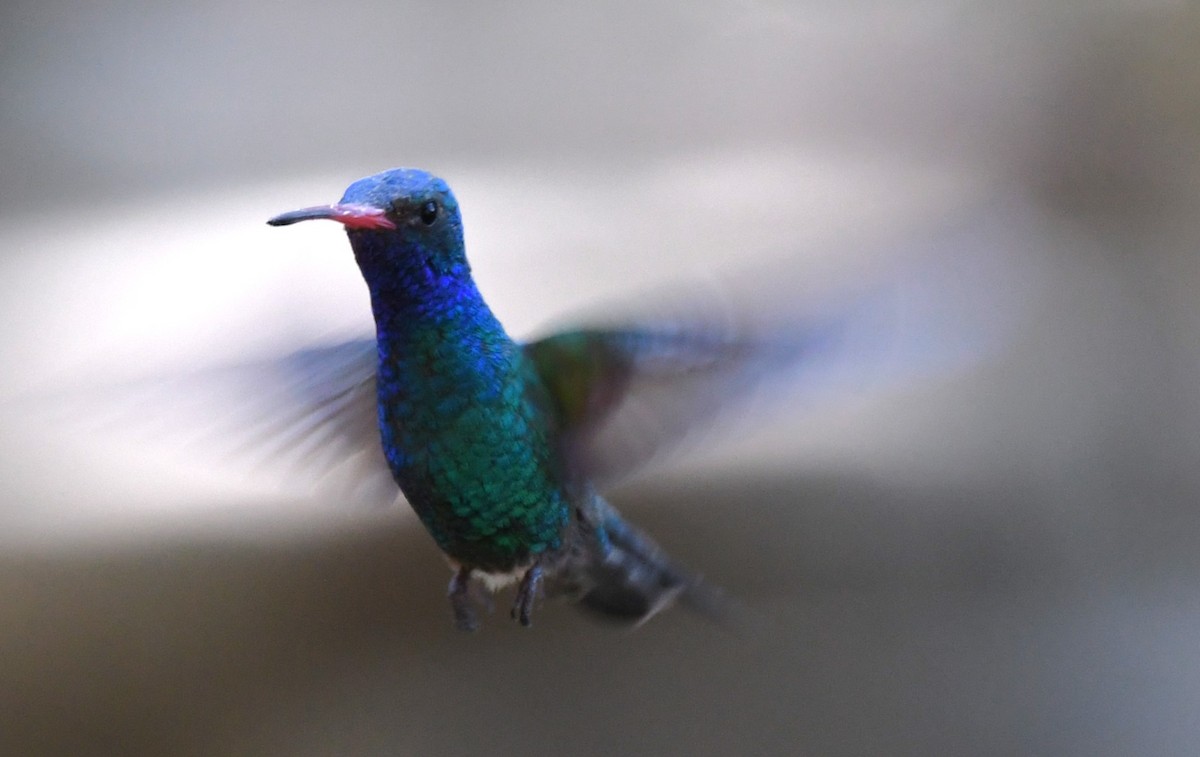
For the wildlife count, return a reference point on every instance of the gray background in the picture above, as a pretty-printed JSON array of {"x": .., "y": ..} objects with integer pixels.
[{"x": 1000, "y": 559}]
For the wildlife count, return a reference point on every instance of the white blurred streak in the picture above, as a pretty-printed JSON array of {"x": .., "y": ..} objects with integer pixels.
[
  {"x": 189, "y": 283},
  {"x": 933, "y": 311},
  {"x": 164, "y": 284},
  {"x": 185, "y": 278},
  {"x": 545, "y": 243}
]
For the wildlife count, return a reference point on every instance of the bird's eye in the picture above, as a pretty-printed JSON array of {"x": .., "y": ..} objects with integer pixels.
[{"x": 429, "y": 213}]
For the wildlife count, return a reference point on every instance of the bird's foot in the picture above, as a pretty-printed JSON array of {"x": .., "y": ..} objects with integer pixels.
[
  {"x": 460, "y": 601},
  {"x": 527, "y": 594}
]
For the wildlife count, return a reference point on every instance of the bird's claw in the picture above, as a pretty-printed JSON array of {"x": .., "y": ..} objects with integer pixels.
[
  {"x": 460, "y": 601},
  {"x": 527, "y": 594}
]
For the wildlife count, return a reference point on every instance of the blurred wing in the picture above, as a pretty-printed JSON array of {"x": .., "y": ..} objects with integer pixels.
[
  {"x": 306, "y": 420},
  {"x": 765, "y": 343},
  {"x": 625, "y": 396},
  {"x": 320, "y": 423}
]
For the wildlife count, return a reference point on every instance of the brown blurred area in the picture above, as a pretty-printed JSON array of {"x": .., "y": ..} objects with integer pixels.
[{"x": 1000, "y": 561}]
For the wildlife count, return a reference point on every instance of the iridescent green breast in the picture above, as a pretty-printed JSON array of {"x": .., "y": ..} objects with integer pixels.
[{"x": 467, "y": 433}]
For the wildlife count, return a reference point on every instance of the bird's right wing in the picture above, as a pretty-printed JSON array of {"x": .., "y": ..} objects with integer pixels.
[{"x": 304, "y": 420}]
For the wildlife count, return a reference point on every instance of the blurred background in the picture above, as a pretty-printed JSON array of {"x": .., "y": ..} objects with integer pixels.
[{"x": 995, "y": 558}]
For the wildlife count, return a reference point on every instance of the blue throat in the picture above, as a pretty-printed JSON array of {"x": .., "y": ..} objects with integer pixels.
[
  {"x": 440, "y": 346},
  {"x": 414, "y": 290}
]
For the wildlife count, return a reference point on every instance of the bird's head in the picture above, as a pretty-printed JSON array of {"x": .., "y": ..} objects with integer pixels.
[{"x": 400, "y": 221}]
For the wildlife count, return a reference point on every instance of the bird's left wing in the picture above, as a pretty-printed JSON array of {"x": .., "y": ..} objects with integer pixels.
[
  {"x": 759, "y": 345},
  {"x": 625, "y": 395}
]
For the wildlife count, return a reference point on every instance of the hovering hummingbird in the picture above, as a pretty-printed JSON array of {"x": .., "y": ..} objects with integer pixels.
[
  {"x": 501, "y": 447},
  {"x": 488, "y": 437}
]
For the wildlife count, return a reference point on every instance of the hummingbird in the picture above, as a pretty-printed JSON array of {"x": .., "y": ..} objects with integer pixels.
[
  {"x": 490, "y": 439},
  {"x": 503, "y": 448}
]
